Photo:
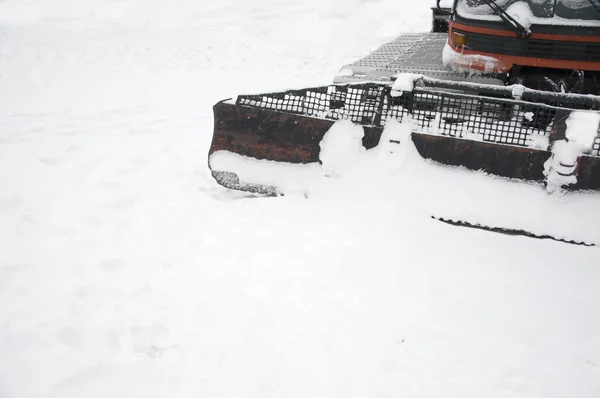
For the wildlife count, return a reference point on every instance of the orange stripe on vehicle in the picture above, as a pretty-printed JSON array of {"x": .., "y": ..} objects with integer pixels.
[
  {"x": 509, "y": 60},
  {"x": 538, "y": 36}
]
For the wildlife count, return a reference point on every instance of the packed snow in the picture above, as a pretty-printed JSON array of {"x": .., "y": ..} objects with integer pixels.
[
  {"x": 404, "y": 82},
  {"x": 521, "y": 12},
  {"x": 581, "y": 131},
  {"x": 473, "y": 64},
  {"x": 287, "y": 178},
  {"x": 395, "y": 169},
  {"x": 127, "y": 271}
]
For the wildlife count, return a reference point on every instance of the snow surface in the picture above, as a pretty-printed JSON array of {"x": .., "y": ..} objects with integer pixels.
[
  {"x": 289, "y": 178},
  {"x": 126, "y": 271},
  {"x": 395, "y": 164}
]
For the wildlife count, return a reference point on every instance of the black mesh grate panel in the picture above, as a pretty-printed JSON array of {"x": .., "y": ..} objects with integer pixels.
[{"x": 489, "y": 118}]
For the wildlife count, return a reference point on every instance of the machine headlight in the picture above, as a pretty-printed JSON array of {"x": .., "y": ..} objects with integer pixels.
[{"x": 459, "y": 40}]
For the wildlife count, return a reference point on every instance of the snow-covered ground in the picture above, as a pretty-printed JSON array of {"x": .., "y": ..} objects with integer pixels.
[{"x": 126, "y": 271}]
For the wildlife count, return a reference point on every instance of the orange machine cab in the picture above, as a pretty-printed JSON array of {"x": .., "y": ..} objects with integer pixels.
[{"x": 541, "y": 41}]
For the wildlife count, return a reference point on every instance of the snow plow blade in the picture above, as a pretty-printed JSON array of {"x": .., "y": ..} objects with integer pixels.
[{"x": 476, "y": 126}]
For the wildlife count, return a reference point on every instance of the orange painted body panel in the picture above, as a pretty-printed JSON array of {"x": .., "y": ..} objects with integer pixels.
[{"x": 506, "y": 62}]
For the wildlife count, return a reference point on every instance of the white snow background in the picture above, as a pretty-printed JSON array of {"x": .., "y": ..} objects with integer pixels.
[{"x": 126, "y": 271}]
